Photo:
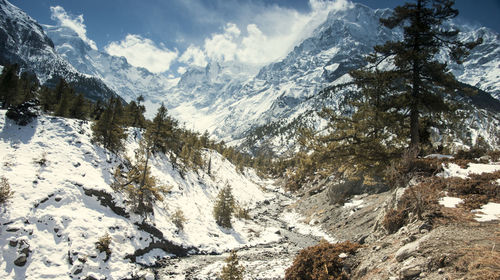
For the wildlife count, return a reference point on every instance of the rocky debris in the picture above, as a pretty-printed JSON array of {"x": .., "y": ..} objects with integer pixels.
[
  {"x": 259, "y": 259},
  {"x": 358, "y": 219},
  {"x": 106, "y": 199},
  {"x": 23, "y": 252},
  {"x": 410, "y": 272},
  {"x": 443, "y": 249}
]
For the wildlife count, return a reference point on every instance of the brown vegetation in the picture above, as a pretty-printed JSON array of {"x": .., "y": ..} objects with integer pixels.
[{"x": 322, "y": 262}]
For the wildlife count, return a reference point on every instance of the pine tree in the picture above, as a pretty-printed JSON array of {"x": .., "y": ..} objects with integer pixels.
[
  {"x": 365, "y": 140},
  {"x": 141, "y": 187},
  {"x": 28, "y": 87},
  {"x": 223, "y": 207},
  {"x": 162, "y": 132},
  {"x": 78, "y": 108},
  {"x": 108, "y": 130},
  {"x": 61, "y": 87},
  {"x": 135, "y": 113},
  {"x": 424, "y": 82},
  {"x": 232, "y": 270},
  {"x": 62, "y": 107},
  {"x": 47, "y": 99},
  {"x": 9, "y": 86}
]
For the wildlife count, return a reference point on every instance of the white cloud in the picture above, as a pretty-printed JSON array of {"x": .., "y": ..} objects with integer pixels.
[
  {"x": 143, "y": 52},
  {"x": 194, "y": 56},
  {"x": 271, "y": 34},
  {"x": 74, "y": 23},
  {"x": 181, "y": 70},
  {"x": 223, "y": 46}
]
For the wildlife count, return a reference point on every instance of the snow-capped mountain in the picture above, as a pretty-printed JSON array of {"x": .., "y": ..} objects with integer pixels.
[
  {"x": 235, "y": 102},
  {"x": 126, "y": 80},
  {"x": 285, "y": 92},
  {"x": 23, "y": 41}
]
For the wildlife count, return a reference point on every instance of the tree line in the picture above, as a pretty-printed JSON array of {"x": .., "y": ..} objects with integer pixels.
[{"x": 112, "y": 118}]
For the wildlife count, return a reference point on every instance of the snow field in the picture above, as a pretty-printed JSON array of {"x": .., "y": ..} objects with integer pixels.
[{"x": 49, "y": 165}]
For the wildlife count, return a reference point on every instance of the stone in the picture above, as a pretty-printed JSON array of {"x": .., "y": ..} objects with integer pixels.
[
  {"x": 409, "y": 249},
  {"x": 410, "y": 272},
  {"x": 21, "y": 260},
  {"x": 78, "y": 270}
]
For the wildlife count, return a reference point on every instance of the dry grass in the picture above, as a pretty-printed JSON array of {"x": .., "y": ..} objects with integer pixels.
[
  {"x": 481, "y": 263},
  {"x": 422, "y": 199}
]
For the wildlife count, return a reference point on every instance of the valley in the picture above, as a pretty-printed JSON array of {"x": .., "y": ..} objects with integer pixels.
[{"x": 369, "y": 150}]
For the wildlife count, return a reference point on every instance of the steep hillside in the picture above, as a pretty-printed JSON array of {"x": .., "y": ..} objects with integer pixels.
[
  {"x": 63, "y": 204},
  {"x": 23, "y": 41},
  {"x": 456, "y": 238}
]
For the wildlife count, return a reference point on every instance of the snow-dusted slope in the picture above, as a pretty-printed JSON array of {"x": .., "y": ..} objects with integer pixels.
[
  {"x": 126, "y": 80},
  {"x": 63, "y": 204},
  {"x": 23, "y": 41}
]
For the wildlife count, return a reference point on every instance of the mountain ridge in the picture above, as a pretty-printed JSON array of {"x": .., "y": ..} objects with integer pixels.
[{"x": 23, "y": 41}]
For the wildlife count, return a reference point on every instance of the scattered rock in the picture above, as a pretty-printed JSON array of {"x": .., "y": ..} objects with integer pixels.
[
  {"x": 78, "y": 270},
  {"x": 21, "y": 260}
]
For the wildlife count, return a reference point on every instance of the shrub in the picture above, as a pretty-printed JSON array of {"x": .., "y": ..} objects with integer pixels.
[
  {"x": 471, "y": 154},
  {"x": 322, "y": 261},
  {"x": 103, "y": 245},
  {"x": 42, "y": 161},
  {"x": 394, "y": 220},
  {"x": 24, "y": 113},
  {"x": 480, "y": 263},
  {"x": 5, "y": 192},
  {"x": 400, "y": 172},
  {"x": 178, "y": 219},
  {"x": 420, "y": 200},
  {"x": 494, "y": 155},
  {"x": 241, "y": 212},
  {"x": 232, "y": 270},
  {"x": 476, "y": 190}
]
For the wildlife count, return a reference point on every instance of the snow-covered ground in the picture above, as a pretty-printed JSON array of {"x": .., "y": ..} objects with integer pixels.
[
  {"x": 63, "y": 203},
  {"x": 489, "y": 211}
]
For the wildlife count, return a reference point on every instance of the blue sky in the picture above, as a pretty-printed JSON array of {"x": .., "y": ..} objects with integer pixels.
[{"x": 167, "y": 36}]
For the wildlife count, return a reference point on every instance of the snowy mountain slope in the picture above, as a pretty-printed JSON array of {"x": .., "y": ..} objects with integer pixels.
[
  {"x": 63, "y": 204},
  {"x": 280, "y": 93},
  {"x": 235, "y": 102},
  {"x": 482, "y": 68},
  {"x": 23, "y": 41},
  {"x": 126, "y": 80}
]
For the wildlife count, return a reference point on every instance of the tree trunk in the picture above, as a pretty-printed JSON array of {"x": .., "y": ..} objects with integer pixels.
[{"x": 415, "y": 94}]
